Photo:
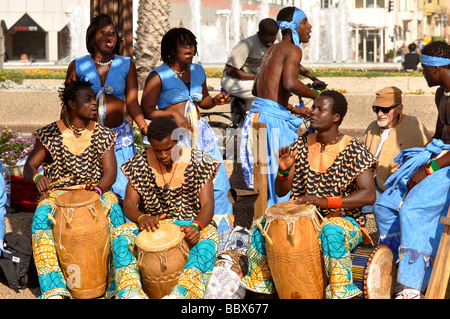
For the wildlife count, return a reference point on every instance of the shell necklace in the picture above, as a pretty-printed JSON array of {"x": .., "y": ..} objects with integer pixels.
[
  {"x": 76, "y": 130},
  {"x": 178, "y": 74}
]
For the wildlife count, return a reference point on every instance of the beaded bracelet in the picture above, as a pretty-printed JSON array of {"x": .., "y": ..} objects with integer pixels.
[
  {"x": 36, "y": 176},
  {"x": 139, "y": 218},
  {"x": 334, "y": 202}
]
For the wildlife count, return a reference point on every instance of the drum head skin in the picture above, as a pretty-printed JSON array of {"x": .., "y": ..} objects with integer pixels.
[
  {"x": 77, "y": 198},
  {"x": 163, "y": 238},
  {"x": 381, "y": 274},
  {"x": 289, "y": 208}
]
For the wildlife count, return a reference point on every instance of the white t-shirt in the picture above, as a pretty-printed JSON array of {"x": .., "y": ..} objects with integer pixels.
[
  {"x": 384, "y": 137},
  {"x": 247, "y": 54}
]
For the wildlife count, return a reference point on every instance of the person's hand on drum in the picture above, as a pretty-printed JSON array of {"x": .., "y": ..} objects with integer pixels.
[
  {"x": 192, "y": 235},
  {"x": 150, "y": 222},
  {"x": 285, "y": 159},
  {"x": 311, "y": 199}
]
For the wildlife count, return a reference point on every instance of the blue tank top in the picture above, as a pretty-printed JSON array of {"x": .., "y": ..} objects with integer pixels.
[
  {"x": 116, "y": 78},
  {"x": 174, "y": 90}
]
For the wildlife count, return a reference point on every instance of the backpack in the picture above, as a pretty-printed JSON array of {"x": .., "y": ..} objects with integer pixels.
[{"x": 17, "y": 262}]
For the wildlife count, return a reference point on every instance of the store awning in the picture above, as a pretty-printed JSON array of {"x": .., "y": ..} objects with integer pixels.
[{"x": 26, "y": 24}]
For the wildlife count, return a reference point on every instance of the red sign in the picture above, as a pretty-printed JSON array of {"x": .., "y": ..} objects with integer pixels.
[{"x": 25, "y": 28}]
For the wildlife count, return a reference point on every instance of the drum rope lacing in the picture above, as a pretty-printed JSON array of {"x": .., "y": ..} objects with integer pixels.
[
  {"x": 68, "y": 216},
  {"x": 162, "y": 255},
  {"x": 290, "y": 221}
]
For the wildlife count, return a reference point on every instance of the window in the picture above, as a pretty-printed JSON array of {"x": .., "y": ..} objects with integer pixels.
[{"x": 324, "y": 4}]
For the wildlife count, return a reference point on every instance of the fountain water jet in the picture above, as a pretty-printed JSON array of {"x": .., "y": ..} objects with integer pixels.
[{"x": 79, "y": 20}]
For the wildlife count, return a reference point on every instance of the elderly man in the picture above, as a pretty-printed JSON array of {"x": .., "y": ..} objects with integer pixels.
[{"x": 391, "y": 133}]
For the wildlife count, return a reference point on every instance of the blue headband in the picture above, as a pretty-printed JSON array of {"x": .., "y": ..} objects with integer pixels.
[
  {"x": 429, "y": 60},
  {"x": 293, "y": 25}
]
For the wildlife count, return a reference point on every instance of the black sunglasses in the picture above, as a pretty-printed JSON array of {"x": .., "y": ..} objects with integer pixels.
[{"x": 377, "y": 109}]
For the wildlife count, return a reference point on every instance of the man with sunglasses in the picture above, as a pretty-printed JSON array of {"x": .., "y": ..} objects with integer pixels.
[{"x": 391, "y": 133}]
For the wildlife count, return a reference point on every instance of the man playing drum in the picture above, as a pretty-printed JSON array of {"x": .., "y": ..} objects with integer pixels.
[
  {"x": 408, "y": 213},
  {"x": 75, "y": 153},
  {"x": 334, "y": 172},
  {"x": 169, "y": 184}
]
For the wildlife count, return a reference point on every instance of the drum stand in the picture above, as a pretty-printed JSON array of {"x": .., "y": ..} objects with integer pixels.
[
  {"x": 260, "y": 167},
  {"x": 438, "y": 284}
]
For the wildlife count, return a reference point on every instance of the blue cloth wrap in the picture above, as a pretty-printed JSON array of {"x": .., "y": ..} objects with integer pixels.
[
  {"x": 116, "y": 77},
  {"x": 412, "y": 230},
  {"x": 281, "y": 127},
  {"x": 429, "y": 60},
  {"x": 293, "y": 25}
]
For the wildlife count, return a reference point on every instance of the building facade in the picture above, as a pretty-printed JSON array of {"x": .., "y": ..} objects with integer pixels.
[{"x": 344, "y": 30}]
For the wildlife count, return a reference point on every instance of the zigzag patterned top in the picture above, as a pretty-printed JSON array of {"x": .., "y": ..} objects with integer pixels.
[
  {"x": 178, "y": 202},
  {"x": 86, "y": 166},
  {"x": 338, "y": 179}
]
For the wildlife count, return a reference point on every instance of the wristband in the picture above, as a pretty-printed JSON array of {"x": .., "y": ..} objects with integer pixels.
[
  {"x": 99, "y": 190},
  {"x": 318, "y": 93},
  {"x": 283, "y": 174},
  {"x": 431, "y": 167},
  {"x": 195, "y": 226},
  {"x": 139, "y": 218},
  {"x": 334, "y": 202},
  {"x": 198, "y": 224},
  {"x": 36, "y": 177},
  {"x": 280, "y": 176}
]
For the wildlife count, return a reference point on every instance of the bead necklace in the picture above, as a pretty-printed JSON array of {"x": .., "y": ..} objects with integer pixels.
[
  {"x": 322, "y": 145},
  {"x": 75, "y": 129},
  {"x": 104, "y": 63}
]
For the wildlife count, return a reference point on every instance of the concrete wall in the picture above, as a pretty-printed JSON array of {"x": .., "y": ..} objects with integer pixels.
[{"x": 29, "y": 110}]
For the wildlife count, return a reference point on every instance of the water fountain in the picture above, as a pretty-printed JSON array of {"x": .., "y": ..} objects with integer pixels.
[
  {"x": 330, "y": 35},
  {"x": 79, "y": 20}
]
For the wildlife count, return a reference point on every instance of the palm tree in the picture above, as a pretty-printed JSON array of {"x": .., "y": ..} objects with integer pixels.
[{"x": 153, "y": 23}]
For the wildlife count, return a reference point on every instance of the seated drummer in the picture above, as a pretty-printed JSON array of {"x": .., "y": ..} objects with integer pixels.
[
  {"x": 334, "y": 172},
  {"x": 169, "y": 184},
  {"x": 80, "y": 154}
]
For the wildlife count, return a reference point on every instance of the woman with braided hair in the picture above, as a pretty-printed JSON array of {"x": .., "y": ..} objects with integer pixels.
[{"x": 177, "y": 89}]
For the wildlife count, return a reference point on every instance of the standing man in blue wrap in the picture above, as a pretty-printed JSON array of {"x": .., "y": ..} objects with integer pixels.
[
  {"x": 276, "y": 80},
  {"x": 408, "y": 213}
]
